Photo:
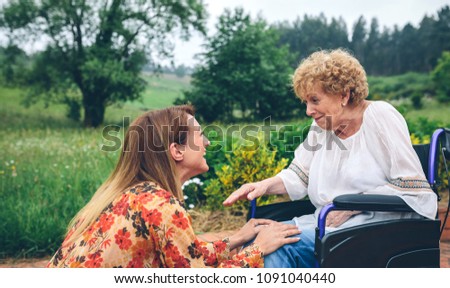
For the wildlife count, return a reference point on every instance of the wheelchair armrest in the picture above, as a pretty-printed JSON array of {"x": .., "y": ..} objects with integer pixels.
[{"x": 362, "y": 202}]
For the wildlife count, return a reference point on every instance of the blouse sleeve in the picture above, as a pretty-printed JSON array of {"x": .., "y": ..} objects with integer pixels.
[
  {"x": 390, "y": 142},
  {"x": 296, "y": 177},
  {"x": 175, "y": 241}
]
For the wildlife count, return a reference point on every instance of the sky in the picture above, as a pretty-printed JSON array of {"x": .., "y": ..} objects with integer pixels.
[{"x": 388, "y": 13}]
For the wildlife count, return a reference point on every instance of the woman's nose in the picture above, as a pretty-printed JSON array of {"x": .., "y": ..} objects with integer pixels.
[
  {"x": 206, "y": 141},
  {"x": 309, "y": 110}
]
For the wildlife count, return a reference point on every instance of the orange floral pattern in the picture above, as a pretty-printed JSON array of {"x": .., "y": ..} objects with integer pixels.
[{"x": 148, "y": 227}]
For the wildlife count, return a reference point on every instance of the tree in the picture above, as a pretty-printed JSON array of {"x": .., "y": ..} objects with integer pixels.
[
  {"x": 428, "y": 47},
  {"x": 96, "y": 49},
  {"x": 409, "y": 59},
  {"x": 442, "y": 28},
  {"x": 307, "y": 35},
  {"x": 180, "y": 71},
  {"x": 359, "y": 38},
  {"x": 13, "y": 61},
  {"x": 243, "y": 70},
  {"x": 372, "y": 49},
  {"x": 441, "y": 77}
]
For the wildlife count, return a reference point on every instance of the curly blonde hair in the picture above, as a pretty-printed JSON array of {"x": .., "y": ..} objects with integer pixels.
[{"x": 336, "y": 71}]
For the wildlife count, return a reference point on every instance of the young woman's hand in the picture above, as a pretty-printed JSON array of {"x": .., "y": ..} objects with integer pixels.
[
  {"x": 275, "y": 235},
  {"x": 249, "y": 231},
  {"x": 247, "y": 191}
]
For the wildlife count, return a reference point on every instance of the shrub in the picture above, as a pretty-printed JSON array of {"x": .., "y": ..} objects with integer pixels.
[
  {"x": 422, "y": 128},
  {"x": 193, "y": 196},
  {"x": 245, "y": 164},
  {"x": 400, "y": 86},
  {"x": 288, "y": 138},
  {"x": 440, "y": 76},
  {"x": 416, "y": 99}
]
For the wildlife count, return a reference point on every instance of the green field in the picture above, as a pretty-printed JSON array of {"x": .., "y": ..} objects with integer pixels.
[
  {"x": 432, "y": 110},
  {"x": 160, "y": 92}
]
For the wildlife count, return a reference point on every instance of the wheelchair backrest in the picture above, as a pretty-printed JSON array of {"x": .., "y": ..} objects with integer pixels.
[
  {"x": 423, "y": 151},
  {"x": 429, "y": 155}
]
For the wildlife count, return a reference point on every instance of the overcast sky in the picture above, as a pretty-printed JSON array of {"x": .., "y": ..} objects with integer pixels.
[{"x": 388, "y": 13}]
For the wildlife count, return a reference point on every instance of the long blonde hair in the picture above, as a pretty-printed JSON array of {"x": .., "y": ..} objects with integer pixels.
[{"x": 145, "y": 157}]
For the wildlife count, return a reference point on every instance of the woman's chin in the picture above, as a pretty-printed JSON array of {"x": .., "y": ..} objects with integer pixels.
[{"x": 323, "y": 126}]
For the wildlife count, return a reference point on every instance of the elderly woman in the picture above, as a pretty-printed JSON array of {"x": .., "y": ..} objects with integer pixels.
[
  {"x": 353, "y": 146},
  {"x": 137, "y": 219}
]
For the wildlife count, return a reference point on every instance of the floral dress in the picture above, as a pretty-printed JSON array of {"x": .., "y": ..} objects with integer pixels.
[{"x": 148, "y": 227}]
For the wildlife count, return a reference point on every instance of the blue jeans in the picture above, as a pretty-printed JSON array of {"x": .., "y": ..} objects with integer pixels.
[{"x": 296, "y": 255}]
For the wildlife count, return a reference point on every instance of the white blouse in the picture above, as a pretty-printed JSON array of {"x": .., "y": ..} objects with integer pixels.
[{"x": 378, "y": 159}]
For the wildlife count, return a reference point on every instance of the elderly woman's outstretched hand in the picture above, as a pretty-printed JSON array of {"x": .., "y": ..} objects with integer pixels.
[{"x": 247, "y": 191}]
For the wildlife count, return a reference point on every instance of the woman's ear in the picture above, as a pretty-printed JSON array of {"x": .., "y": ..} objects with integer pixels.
[
  {"x": 176, "y": 152},
  {"x": 345, "y": 98}
]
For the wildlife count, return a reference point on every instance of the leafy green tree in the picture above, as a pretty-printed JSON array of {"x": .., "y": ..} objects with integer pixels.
[
  {"x": 96, "y": 49},
  {"x": 441, "y": 77},
  {"x": 13, "y": 61},
  {"x": 243, "y": 70}
]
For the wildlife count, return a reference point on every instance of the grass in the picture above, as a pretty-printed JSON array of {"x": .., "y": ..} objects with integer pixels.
[
  {"x": 46, "y": 176},
  {"x": 432, "y": 110},
  {"x": 163, "y": 92}
]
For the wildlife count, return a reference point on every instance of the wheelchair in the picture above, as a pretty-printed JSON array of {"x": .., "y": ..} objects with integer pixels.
[{"x": 400, "y": 243}]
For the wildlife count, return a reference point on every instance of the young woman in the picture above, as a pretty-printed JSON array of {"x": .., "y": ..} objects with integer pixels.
[{"x": 137, "y": 219}]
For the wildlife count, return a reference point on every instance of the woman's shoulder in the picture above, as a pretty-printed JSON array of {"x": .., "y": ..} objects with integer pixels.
[
  {"x": 382, "y": 111},
  {"x": 384, "y": 119},
  {"x": 381, "y": 106},
  {"x": 149, "y": 194},
  {"x": 145, "y": 187}
]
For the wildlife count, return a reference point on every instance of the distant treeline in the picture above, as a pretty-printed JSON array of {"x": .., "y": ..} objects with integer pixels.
[
  {"x": 178, "y": 70},
  {"x": 382, "y": 51}
]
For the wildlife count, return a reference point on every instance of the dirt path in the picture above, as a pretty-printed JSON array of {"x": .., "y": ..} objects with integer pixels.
[
  {"x": 42, "y": 262},
  {"x": 24, "y": 263}
]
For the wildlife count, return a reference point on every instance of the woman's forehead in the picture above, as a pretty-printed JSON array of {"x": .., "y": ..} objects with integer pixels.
[
  {"x": 192, "y": 121},
  {"x": 314, "y": 90}
]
